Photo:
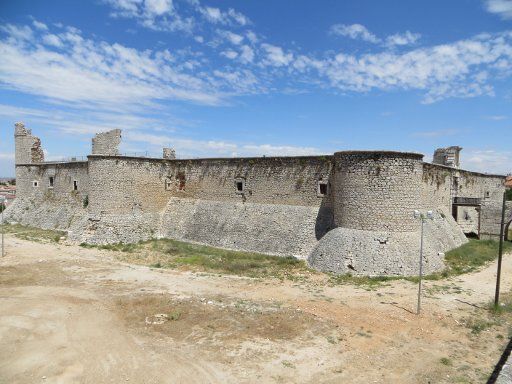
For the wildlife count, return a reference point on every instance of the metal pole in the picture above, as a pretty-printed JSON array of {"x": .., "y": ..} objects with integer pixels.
[
  {"x": 3, "y": 209},
  {"x": 500, "y": 252},
  {"x": 421, "y": 266}
]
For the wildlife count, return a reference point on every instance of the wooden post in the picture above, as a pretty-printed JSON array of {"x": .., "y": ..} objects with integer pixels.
[{"x": 500, "y": 252}]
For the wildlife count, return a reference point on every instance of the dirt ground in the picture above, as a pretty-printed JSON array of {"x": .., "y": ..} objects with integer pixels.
[{"x": 75, "y": 315}]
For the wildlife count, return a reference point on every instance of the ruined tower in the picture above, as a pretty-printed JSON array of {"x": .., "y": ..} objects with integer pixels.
[
  {"x": 449, "y": 156},
  {"x": 27, "y": 147}
]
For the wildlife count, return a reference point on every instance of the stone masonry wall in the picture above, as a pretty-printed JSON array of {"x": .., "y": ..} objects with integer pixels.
[
  {"x": 351, "y": 212},
  {"x": 278, "y": 211},
  {"x": 28, "y": 147},
  {"x": 106, "y": 143},
  {"x": 38, "y": 204},
  {"x": 377, "y": 190},
  {"x": 122, "y": 185},
  {"x": 491, "y": 219},
  {"x": 441, "y": 184}
]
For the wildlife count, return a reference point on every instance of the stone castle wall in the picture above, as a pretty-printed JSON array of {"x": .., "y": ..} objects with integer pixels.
[
  {"x": 375, "y": 196},
  {"x": 377, "y": 190},
  {"x": 106, "y": 143},
  {"x": 58, "y": 207},
  {"x": 441, "y": 184},
  {"x": 491, "y": 219},
  {"x": 279, "y": 210},
  {"x": 28, "y": 147},
  {"x": 347, "y": 213}
]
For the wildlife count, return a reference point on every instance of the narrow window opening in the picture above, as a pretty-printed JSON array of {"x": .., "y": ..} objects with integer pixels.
[
  {"x": 75, "y": 185},
  {"x": 322, "y": 188},
  {"x": 240, "y": 186},
  {"x": 487, "y": 194},
  {"x": 50, "y": 182},
  {"x": 168, "y": 183},
  {"x": 180, "y": 177},
  {"x": 35, "y": 183}
]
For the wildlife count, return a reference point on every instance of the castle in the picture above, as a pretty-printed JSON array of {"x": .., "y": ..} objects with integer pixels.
[{"x": 350, "y": 212}]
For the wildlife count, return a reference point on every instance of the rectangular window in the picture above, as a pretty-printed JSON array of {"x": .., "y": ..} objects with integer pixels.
[
  {"x": 487, "y": 194},
  {"x": 240, "y": 185},
  {"x": 75, "y": 185},
  {"x": 50, "y": 182},
  {"x": 322, "y": 188},
  {"x": 35, "y": 183}
]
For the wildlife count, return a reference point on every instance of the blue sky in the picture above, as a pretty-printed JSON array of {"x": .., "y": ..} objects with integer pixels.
[{"x": 252, "y": 78}]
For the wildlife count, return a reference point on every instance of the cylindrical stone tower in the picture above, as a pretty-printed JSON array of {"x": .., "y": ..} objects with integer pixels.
[{"x": 377, "y": 191}]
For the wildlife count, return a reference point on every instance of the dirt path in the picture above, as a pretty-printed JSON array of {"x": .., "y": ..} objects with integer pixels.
[{"x": 69, "y": 314}]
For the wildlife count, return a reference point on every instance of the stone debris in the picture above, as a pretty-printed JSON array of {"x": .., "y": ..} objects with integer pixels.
[{"x": 159, "y": 318}]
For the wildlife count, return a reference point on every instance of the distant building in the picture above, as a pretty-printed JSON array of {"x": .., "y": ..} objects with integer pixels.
[
  {"x": 9, "y": 192},
  {"x": 449, "y": 156}
]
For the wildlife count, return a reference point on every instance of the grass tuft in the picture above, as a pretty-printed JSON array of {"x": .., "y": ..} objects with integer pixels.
[
  {"x": 167, "y": 253},
  {"x": 33, "y": 234},
  {"x": 473, "y": 255}
]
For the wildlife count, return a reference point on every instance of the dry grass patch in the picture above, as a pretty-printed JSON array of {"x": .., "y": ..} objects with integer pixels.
[
  {"x": 219, "y": 320},
  {"x": 167, "y": 253},
  {"x": 33, "y": 234}
]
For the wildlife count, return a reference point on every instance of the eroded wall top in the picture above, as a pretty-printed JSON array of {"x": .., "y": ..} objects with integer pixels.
[
  {"x": 107, "y": 143},
  {"x": 28, "y": 148}
]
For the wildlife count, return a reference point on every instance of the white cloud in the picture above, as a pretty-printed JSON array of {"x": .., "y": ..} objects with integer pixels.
[
  {"x": 212, "y": 14},
  {"x": 502, "y": 8},
  {"x": 246, "y": 54},
  {"x": 230, "y": 54},
  {"x": 199, "y": 148},
  {"x": 231, "y": 37},
  {"x": 95, "y": 73},
  {"x": 158, "y": 7},
  {"x": 487, "y": 160},
  {"x": 354, "y": 31},
  {"x": 496, "y": 117},
  {"x": 275, "y": 56},
  {"x": 400, "y": 39},
  {"x": 238, "y": 17},
  {"x": 39, "y": 25},
  {"x": 460, "y": 69},
  {"x": 217, "y": 16},
  {"x": 360, "y": 32},
  {"x": 17, "y": 33},
  {"x": 153, "y": 14},
  {"x": 251, "y": 36},
  {"x": 53, "y": 40}
]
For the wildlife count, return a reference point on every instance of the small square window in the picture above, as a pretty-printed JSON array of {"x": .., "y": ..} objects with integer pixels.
[
  {"x": 75, "y": 185},
  {"x": 487, "y": 194},
  {"x": 322, "y": 188},
  {"x": 240, "y": 186},
  {"x": 50, "y": 182},
  {"x": 35, "y": 183}
]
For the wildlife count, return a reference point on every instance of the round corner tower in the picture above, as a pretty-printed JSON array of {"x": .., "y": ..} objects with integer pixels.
[{"x": 377, "y": 190}]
